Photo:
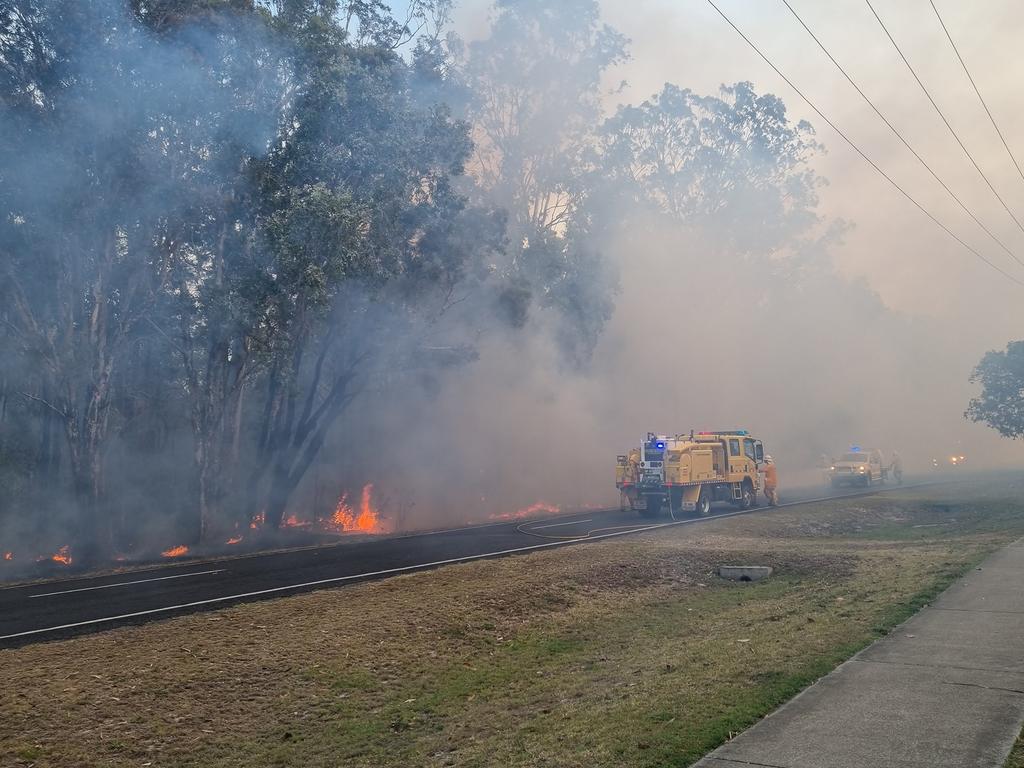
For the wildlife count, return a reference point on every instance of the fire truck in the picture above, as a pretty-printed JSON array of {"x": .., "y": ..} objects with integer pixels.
[
  {"x": 859, "y": 467},
  {"x": 688, "y": 473}
]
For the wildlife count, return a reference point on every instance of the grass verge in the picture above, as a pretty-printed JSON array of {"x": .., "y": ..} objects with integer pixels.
[
  {"x": 618, "y": 653},
  {"x": 1016, "y": 757}
]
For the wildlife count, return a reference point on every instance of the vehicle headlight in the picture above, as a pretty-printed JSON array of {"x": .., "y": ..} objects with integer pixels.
[{"x": 862, "y": 469}]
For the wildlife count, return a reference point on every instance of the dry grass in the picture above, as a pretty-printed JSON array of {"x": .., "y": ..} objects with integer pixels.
[
  {"x": 1016, "y": 758},
  {"x": 619, "y": 653}
]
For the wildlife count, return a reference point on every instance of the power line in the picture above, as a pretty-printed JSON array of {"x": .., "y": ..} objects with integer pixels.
[
  {"x": 899, "y": 136},
  {"x": 976, "y": 90},
  {"x": 859, "y": 151},
  {"x": 943, "y": 116}
]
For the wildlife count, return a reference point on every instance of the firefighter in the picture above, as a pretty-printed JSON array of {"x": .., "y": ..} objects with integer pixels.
[
  {"x": 897, "y": 467},
  {"x": 629, "y": 495},
  {"x": 634, "y": 466},
  {"x": 771, "y": 481}
]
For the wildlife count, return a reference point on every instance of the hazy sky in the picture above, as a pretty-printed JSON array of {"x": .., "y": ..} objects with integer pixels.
[{"x": 912, "y": 264}]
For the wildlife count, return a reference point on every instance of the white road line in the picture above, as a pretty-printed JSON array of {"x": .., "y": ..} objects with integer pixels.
[
  {"x": 127, "y": 583},
  {"x": 338, "y": 579},
  {"x": 555, "y": 525},
  {"x": 422, "y": 566}
]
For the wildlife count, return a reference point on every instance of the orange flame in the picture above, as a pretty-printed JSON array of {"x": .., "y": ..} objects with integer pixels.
[
  {"x": 343, "y": 517},
  {"x": 257, "y": 522},
  {"x": 541, "y": 507},
  {"x": 63, "y": 555},
  {"x": 8, "y": 555},
  {"x": 293, "y": 522},
  {"x": 175, "y": 551},
  {"x": 367, "y": 520},
  {"x": 234, "y": 539}
]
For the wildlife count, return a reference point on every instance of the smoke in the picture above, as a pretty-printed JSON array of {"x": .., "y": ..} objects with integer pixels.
[
  {"x": 782, "y": 331},
  {"x": 615, "y": 261},
  {"x": 115, "y": 135},
  {"x": 810, "y": 365}
]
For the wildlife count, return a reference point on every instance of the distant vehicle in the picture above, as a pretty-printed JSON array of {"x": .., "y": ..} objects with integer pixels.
[
  {"x": 858, "y": 467},
  {"x": 689, "y": 472},
  {"x": 955, "y": 461}
]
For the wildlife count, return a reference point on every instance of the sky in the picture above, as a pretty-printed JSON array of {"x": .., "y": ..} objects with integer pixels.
[{"x": 906, "y": 258}]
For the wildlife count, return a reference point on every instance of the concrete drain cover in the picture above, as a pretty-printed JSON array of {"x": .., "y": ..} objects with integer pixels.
[{"x": 744, "y": 572}]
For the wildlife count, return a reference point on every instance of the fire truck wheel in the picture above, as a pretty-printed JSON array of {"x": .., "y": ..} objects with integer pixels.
[
  {"x": 747, "y": 499},
  {"x": 704, "y": 503}
]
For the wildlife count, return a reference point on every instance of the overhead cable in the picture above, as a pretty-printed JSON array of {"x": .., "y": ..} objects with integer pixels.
[
  {"x": 944, "y": 119},
  {"x": 977, "y": 90},
  {"x": 900, "y": 136},
  {"x": 861, "y": 152}
]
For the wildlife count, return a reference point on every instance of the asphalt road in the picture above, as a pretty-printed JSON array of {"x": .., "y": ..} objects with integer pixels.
[{"x": 60, "y": 608}]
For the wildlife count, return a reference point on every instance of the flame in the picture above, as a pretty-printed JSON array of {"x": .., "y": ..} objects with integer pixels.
[
  {"x": 257, "y": 522},
  {"x": 8, "y": 555},
  {"x": 343, "y": 517},
  {"x": 367, "y": 520},
  {"x": 234, "y": 540},
  {"x": 63, "y": 555},
  {"x": 293, "y": 522},
  {"x": 541, "y": 507},
  {"x": 175, "y": 551}
]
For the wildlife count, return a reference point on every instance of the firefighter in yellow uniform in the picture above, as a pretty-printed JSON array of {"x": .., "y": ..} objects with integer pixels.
[
  {"x": 771, "y": 481},
  {"x": 628, "y": 498}
]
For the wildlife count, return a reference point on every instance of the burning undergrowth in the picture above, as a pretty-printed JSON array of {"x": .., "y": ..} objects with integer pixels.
[
  {"x": 354, "y": 514},
  {"x": 347, "y": 517},
  {"x": 358, "y": 515}
]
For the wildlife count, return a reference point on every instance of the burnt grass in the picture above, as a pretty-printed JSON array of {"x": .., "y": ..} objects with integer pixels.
[{"x": 629, "y": 652}]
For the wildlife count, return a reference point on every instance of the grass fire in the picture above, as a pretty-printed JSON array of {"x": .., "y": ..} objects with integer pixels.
[
  {"x": 61, "y": 556},
  {"x": 365, "y": 519}
]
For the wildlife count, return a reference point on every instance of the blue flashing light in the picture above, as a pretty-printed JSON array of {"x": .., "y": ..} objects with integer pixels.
[
  {"x": 855, "y": 448},
  {"x": 660, "y": 445}
]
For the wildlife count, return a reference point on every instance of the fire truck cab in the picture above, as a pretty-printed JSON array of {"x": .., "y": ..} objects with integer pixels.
[{"x": 690, "y": 472}]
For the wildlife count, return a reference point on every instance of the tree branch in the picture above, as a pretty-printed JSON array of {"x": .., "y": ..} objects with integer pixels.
[{"x": 47, "y": 403}]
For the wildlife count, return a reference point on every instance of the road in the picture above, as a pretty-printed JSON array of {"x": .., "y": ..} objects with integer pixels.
[{"x": 53, "y": 609}]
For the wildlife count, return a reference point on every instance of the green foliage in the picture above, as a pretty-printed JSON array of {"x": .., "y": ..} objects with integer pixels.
[
  {"x": 222, "y": 222},
  {"x": 734, "y": 162},
  {"x": 535, "y": 100},
  {"x": 188, "y": 188},
  {"x": 1001, "y": 402}
]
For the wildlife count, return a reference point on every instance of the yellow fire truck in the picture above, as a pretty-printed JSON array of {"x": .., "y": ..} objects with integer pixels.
[{"x": 689, "y": 472}]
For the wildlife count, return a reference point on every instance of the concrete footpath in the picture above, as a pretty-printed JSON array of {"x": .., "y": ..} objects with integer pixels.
[{"x": 945, "y": 688}]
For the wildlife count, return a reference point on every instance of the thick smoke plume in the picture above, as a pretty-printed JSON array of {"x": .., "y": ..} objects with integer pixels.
[{"x": 259, "y": 257}]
